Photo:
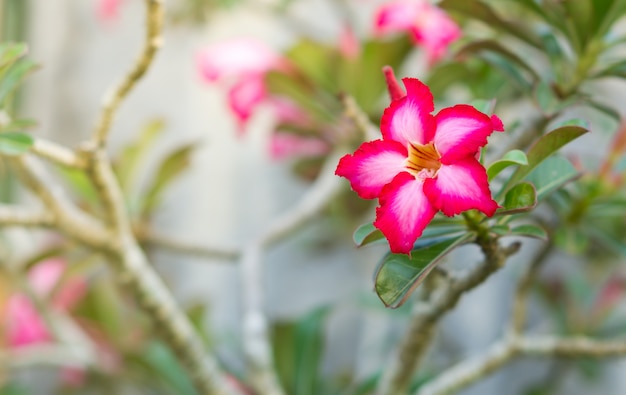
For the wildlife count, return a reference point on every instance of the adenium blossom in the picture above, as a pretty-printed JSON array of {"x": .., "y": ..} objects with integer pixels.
[
  {"x": 422, "y": 165},
  {"x": 24, "y": 324},
  {"x": 427, "y": 24},
  {"x": 242, "y": 64}
]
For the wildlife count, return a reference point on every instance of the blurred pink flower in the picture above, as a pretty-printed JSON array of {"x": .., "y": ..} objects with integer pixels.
[
  {"x": 24, "y": 325},
  {"x": 349, "y": 44},
  {"x": 429, "y": 26},
  {"x": 242, "y": 57},
  {"x": 107, "y": 9},
  {"x": 285, "y": 145},
  {"x": 241, "y": 64}
]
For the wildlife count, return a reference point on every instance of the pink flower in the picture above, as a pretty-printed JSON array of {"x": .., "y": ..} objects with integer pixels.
[
  {"x": 429, "y": 26},
  {"x": 108, "y": 9},
  {"x": 422, "y": 165},
  {"x": 284, "y": 145},
  {"x": 241, "y": 64},
  {"x": 24, "y": 325}
]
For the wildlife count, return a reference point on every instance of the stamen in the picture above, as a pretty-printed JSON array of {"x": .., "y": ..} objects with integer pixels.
[{"x": 423, "y": 160}]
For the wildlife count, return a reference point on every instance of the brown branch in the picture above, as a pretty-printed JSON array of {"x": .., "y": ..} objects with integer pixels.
[
  {"x": 57, "y": 154},
  {"x": 112, "y": 101},
  {"x": 428, "y": 312},
  {"x": 512, "y": 346},
  {"x": 255, "y": 325},
  {"x": 156, "y": 240},
  {"x": 20, "y": 216}
]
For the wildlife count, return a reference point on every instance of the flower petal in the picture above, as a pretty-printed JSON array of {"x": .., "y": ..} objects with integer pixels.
[
  {"x": 404, "y": 212},
  {"x": 373, "y": 165},
  {"x": 461, "y": 131},
  {"x": 244, "y": 97},
  {"x": 236, "y": 57},
  {"x": 459, "y": 187},
  {"x": 395, "y": 16},
  {"x": 435, "y": 30},
  {"x": 408, "y": 119}
]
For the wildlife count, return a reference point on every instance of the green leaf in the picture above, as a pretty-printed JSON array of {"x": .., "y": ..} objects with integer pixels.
[
  {"x": 368, "y": 67},
  {"x": 508, "y": 69},
  {"x": 484, "y": 106},
  {"x": 493, "y": 46},
  {"x": 298, "y": 351},
  {"x": 399, "y": 274},
  {"x": 366, "y": 234},
  {"x": 529, "y": 230},
  {"x": 171, "y": 167},
  {"x": 14, "y": 143},
  {"x": 80, "y": 184},
  {"x": 127, "y": 164},
  {"x": 617, "y": 69},
  {"x": 511, "y": 158},
  {"x": 13, "y": 77},
  {"x": 521, "y": 198},
  {"x": 543, "y": 148},
  {"x": 552, "y": 174},
  {"x": 165, "y": 367},
  {"x": 11, "y": 52},
  {"x": 484, "y": 13}
]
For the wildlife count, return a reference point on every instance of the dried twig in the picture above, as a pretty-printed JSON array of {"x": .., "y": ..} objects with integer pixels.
[
  {"x": 20, "y": 216},
  {"x": 157, "y": 240},
  {"x": 154, "y": 25},
  {"x": 512, "y": 346},
  {"x": 57, "y": 154},
  {"x": 255, "y": 331}
]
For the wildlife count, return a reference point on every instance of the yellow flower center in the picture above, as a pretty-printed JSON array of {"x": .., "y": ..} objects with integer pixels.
[{"x": 423, "y": 160}]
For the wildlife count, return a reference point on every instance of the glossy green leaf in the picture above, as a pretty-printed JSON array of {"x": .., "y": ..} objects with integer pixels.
[
  {"x": 552, "y": 174},
  {"x": 366, "y": 234},
  {"x": 521, "y": 198},
  {"x": 399, "y": 274},
  {"x": 511, "y": 158},
  {"x": 543, "y": 148},
  {"x": 171, "y": 167},
  {"x": 529, "y": 230},
  {"x": 484, "y": 13},
  {"x": 15, "y": 143}
]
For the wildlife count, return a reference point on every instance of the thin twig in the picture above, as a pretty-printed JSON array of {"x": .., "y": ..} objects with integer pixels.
[
  {"x": 20, "y": 216},
  {"x": 62, "y": 355},
  {"x": 154, "y": 25},
  {"x": 57, "y": 154},
  {"x": 501, "y": 352},
  {"x": 518, "y": 316},
  {"x": 255, "y": 325},
  {"x": 156, "y": 240},
  {"x": 353, "y": 111},
  {"x": 67, "y": 218}
]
